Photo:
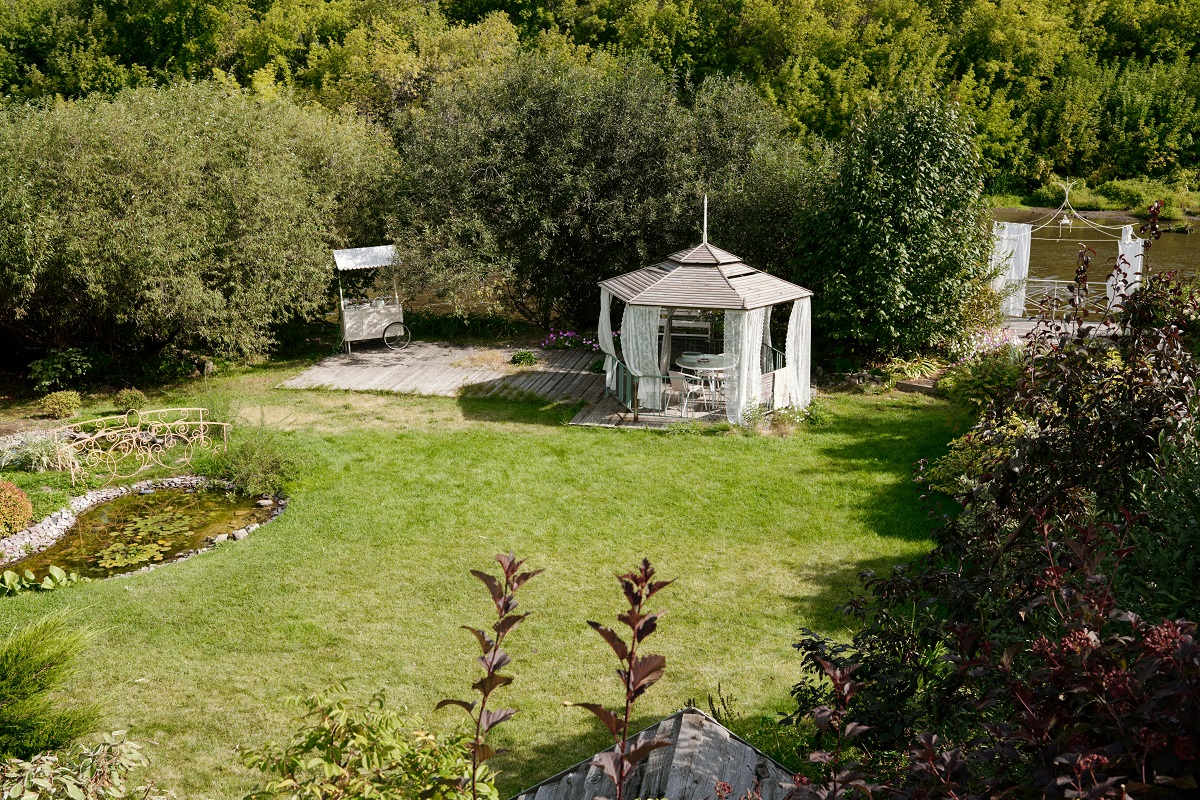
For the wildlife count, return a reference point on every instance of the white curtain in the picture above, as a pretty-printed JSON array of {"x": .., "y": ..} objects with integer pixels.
[
  {"x": 1010, "y": 256},
  {"x": 1131, "y": 248},
  {"x": 766, "y": 358},
  {"x": 743, "y": 381},
  {"x": 664, "y": 358},
  {"x": 639, "y": 345},
  {"x": 798, "y": 354},
  {"x": 604, "y": 336}
]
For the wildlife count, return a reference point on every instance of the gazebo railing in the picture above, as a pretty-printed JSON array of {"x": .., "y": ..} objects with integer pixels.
[
  {"x": 625, "y": 386},
  {"x": 1055, "y": 297},
  {"x": 772, "y": 359}
]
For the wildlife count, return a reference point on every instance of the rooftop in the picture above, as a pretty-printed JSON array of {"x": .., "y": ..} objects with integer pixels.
[
  {"x": 703, "y": 276},
  {"x": 702, "y": 752}
]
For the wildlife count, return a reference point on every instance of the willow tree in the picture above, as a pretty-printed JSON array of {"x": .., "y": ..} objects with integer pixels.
[{"x": 191, "y": 216}]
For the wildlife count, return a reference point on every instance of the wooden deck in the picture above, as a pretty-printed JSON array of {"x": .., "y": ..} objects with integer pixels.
[
  {"x": 439, "y": 369},
  {"x": 608, "y": 412}
]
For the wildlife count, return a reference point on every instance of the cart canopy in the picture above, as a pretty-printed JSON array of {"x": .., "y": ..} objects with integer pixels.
[{"x": 364, "y": 257}]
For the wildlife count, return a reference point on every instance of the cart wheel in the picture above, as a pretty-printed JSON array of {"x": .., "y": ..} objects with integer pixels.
[{"x": 397, "y": 336}]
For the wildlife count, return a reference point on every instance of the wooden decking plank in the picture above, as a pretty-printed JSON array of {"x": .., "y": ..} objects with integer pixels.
[
  {"x": 544, "y": 385},
  {"x": 522, "y": 379},
  {"x": 578, "y": 385}
]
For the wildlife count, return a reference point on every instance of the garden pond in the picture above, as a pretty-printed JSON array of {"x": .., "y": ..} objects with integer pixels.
[{"x": 138, "y": 530}]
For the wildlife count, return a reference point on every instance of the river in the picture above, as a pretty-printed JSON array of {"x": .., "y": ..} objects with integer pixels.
[{"x": 1052, "y": 253}]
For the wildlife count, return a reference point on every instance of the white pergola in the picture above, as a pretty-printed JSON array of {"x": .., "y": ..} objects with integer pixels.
[{"x": 708, "y": 278}]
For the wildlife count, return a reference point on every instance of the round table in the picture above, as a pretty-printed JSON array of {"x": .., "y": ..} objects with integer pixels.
[
  {"x": 707, "y": 362},
  {"x": 708, "y": 366}
]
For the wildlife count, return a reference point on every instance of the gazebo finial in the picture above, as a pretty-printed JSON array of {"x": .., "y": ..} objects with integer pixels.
[{"x": 704, "y": 239}]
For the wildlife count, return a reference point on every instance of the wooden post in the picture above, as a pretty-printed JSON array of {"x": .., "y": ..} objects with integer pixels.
[
  {"x": 342, "y": 311},
  {"x": 635, "y": 399}
]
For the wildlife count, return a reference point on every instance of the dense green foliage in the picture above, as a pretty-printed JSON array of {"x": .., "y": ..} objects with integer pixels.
[
  {"x": 191, "y": 216},
  {"x": 343, "y": 749},
  {"x": 896, "y": 247},
  {"x": 556, "y": 172},
  {"x": 35, "y": 661},
  {"x": 99, "y": 772},
  {"x": 1029, "y": 647},
  {"x": 1106, "y": 89}
]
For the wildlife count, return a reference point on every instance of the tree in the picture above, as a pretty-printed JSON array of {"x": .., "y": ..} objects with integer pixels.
[
  {"x": 899, "y": 245},
  {"x": 190, "y": 216},
  {"x": 561, "y": 171}
]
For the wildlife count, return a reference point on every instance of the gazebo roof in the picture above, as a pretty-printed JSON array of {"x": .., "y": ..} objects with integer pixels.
[{"x": 703, "y": 276}]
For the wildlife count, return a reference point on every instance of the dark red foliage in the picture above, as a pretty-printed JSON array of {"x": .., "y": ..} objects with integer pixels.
[
  {"x": 503, "y": 592},
  {"x": 1002, "y": 662},
  {"x": 637, "y": 673}
]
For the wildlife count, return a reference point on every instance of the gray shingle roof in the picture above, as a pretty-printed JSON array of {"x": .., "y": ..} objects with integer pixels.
[
  {"x": 702, "y": 752},
  {"x": 703, "y": 276}
]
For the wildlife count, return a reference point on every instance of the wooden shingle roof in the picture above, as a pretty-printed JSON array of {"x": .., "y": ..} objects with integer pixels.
[
  {"x": 703, "y": 277},
  {"x": 702, "y": 752}
]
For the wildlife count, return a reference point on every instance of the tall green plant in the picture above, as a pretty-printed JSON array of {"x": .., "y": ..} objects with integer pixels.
[
  {"x": 35, "y": 662},
  {"x": 899, "y": 247},
  {"x": 148, "y": 220}
]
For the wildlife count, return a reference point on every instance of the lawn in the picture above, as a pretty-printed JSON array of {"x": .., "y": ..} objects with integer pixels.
[{"x": 366, "y": 575}]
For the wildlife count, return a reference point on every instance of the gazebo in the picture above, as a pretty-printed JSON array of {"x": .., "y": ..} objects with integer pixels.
[{"x": 707, "y": 279}]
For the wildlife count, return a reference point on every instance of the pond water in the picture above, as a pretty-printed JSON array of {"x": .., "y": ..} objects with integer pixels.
[
  {"x": 1052, "y": 254},
  {"x": 136, "y": 530}
]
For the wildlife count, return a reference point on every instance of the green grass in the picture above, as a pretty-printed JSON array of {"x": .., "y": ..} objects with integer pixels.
[{"x": 366, "y": 575}]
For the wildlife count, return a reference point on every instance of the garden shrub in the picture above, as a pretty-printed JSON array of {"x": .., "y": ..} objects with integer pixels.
[
  {"x": 35, "y": 662},
  {"x": 100, "y": 772},
  {"x": 523, "y": 358},
  {"x": 981, "y": 378},
  {"x": 1008, "y": 656},
  {"x": 59, "y": 369},
  {"x": 362, "y": 750},
  {"x": 258, "y": 461},
  {"x": 62, "y": 405},
  {"x": 36, "y": 454},
  {"x": 15, "y": 508},
  {"x": 130, "y": 400}
]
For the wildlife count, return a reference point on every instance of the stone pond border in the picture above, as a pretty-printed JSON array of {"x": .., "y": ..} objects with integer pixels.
[{"x": 42, "y": 535}]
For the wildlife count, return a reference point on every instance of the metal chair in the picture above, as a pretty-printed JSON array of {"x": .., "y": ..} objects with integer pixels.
[{"x": 686, "y": 387}]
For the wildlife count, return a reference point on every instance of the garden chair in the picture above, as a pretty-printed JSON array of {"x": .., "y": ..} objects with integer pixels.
[{"x": 687, "y": 388}]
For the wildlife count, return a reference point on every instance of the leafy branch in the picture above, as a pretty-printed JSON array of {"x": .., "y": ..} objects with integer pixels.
[
  {"x": 637, "y": 674},
  {"x": 503, "y": 591}
]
